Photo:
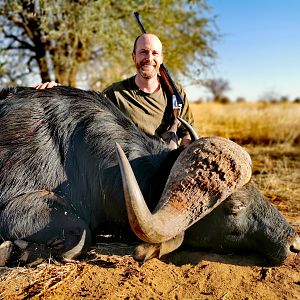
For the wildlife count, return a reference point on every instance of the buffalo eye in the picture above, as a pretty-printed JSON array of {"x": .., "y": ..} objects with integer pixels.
[{"x": 234, "y": 208}]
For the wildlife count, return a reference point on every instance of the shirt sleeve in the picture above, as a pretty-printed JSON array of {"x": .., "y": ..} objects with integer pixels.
[{"x": 110, "y": 94}]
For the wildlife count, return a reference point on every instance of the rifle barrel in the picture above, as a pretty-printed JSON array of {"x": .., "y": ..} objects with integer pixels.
[{"x": 137, "y": 16}]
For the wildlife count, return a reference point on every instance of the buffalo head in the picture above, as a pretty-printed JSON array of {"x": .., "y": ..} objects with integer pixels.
[
  {"x": 209, "y": 202},
  {"x": 245, "y": 222}
]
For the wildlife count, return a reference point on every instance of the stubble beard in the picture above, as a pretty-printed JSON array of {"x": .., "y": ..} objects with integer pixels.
[{"x": 147, "y": 74}]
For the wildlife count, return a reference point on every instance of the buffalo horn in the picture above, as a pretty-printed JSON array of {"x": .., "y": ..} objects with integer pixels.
[
  {"x": 140, "y": 218},
  {"x": 190, "y": 129},
  {"x": 204, "y": 175}
]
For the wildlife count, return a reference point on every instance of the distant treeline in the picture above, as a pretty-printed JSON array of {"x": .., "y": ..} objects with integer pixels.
[{"x": 227, "y": 100}]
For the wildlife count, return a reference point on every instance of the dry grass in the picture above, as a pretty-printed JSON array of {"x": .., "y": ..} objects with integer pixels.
[
  {"x": 271, "y": 133},
  {"x": 276, "y": 170},
  {"x": 255, "y": 123}
]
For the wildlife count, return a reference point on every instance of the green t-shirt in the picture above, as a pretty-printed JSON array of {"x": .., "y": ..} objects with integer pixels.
[{"x": 150, "y": 112}]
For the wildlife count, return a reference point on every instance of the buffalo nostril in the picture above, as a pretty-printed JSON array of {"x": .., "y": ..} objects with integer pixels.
[{"x": 295, "y": 245}]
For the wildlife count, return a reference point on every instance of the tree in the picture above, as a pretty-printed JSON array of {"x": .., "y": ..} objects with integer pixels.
[
  {"x": 269, "y": 96},
  {"x": 61, "y": 40},
  {"x": 217, "y": 87}
]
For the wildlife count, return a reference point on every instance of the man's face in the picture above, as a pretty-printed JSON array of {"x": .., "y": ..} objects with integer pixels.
[{"x": 148, "y": 55}]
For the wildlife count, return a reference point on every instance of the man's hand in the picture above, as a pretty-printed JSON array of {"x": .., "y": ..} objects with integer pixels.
[
  {"x": 185, "y": 141},
  {"x": 46, "y": 85}
]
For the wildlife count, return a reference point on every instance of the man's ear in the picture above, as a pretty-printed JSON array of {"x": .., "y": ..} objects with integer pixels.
[{"x": 133, "y": 56}]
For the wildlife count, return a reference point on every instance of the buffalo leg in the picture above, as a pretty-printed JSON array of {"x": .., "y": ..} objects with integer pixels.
[{"x": 48, "y": 225}]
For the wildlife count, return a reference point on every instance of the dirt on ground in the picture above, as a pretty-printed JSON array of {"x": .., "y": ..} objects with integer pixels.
[{"x": 110, "y": 272}]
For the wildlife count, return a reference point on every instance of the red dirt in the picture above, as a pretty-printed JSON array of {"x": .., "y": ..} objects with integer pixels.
[{"x": 109, "y": 272}]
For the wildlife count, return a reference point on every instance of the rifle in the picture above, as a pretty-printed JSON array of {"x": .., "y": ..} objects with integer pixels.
[{"x": 177, "y": 102}]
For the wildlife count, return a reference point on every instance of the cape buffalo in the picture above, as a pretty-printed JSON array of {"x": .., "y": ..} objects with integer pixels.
[{"x": 64, "y": 177}]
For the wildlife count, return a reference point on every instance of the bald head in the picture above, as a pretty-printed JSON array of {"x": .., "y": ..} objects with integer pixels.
[{"x": 147, "y": 37}]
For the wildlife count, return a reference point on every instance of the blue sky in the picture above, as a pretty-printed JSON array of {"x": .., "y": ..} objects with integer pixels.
[{"x": 259, "y": 53}]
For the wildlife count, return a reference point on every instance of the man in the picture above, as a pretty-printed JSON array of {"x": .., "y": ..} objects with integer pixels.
[{"x": 144, "y": 98}]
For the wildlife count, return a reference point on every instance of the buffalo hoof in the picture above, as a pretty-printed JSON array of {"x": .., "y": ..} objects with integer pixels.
[
  {"x": 21, "y": 244},
  {"x": 77, "y": 250},
  {"x": 31, "y": 254},
  {"x": 5, "y": 252},
  {"x": 23, "y": 254},
  {"x": 34, "y": 254}
]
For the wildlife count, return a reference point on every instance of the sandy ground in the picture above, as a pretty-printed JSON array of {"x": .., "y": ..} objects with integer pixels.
[{"x": 109, "y": 272}]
